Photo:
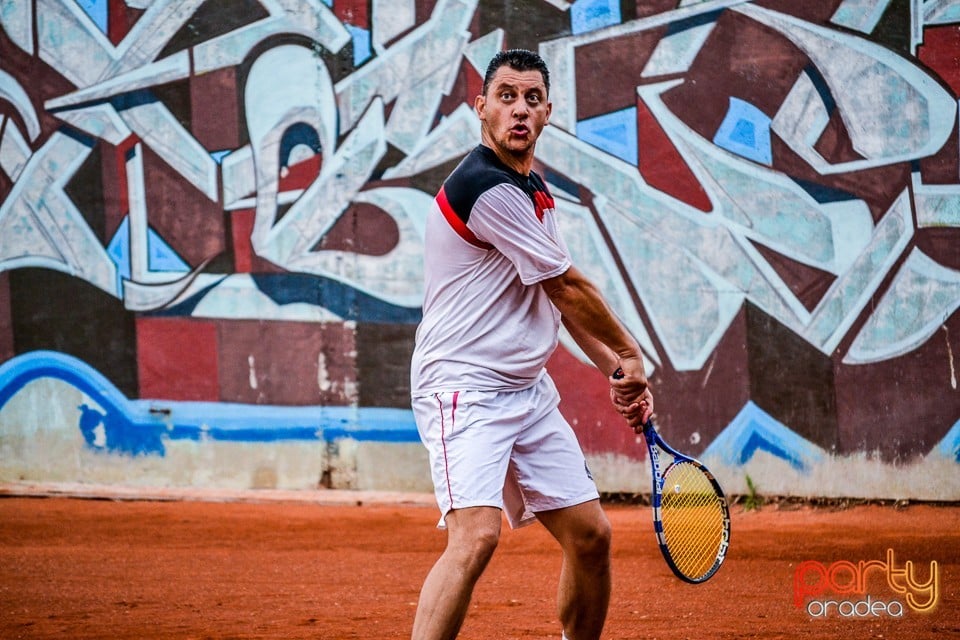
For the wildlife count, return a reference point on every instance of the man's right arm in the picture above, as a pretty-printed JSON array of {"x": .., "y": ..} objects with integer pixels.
[{"x": 604, "y": 339}]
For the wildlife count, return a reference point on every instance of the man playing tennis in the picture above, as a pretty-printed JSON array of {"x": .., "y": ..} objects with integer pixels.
[{"x": 499, "y": 281}]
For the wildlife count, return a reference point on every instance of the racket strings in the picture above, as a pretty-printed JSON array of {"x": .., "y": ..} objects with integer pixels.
[{"x": 692, "y": 517}]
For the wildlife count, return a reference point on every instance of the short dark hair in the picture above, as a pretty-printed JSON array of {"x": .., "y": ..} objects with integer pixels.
[{"x": 519, "y": 59}]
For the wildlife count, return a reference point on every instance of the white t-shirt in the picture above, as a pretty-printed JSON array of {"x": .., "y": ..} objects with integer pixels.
[{"x": 491, "y": 238}]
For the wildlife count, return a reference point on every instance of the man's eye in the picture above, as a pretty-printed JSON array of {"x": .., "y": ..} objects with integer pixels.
[{"x": 506, "y": 96}]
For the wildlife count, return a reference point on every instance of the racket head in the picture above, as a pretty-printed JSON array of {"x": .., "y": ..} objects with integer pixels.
[{"x": 690, "y": 513}]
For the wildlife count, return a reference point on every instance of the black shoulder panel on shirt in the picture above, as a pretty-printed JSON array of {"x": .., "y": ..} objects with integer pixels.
[{"x": 479, "y": 172}]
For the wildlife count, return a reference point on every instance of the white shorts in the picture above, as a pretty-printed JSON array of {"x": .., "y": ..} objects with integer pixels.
[{"x": 512, "y": 450}]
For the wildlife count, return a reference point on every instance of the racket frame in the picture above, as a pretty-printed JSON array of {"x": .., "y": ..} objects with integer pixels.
[{"x": 654, "y": 441}]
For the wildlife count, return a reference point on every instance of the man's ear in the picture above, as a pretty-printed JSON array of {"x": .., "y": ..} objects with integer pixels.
[{"x": 478, "y": 104}]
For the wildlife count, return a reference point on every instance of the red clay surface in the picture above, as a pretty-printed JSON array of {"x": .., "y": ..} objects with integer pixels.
[{"x": 74, "y": 568}]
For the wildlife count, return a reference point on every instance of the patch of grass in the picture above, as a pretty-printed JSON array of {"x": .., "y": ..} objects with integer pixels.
[{"x": 752, "y": 500}]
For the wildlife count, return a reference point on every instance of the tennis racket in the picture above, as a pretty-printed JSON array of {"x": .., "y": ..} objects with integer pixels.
[{"x": 690, "y": 514}]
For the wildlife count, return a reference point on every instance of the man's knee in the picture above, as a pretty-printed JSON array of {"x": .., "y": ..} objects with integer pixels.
[
  {"x": 473, "y": 540},
  {"x": 482, "y": 544},
  {"x": 593, "y": 543}
]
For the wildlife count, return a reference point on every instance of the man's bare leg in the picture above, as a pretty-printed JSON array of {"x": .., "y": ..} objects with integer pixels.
[
  {"x": 472, "y": 536},
  {"x": 584, "y": 534}
]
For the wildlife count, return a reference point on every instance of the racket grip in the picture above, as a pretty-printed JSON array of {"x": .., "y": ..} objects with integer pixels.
[{"x": 648, "y": 425}]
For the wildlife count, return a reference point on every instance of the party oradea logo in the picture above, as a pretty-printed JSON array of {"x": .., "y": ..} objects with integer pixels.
[{"x": 867, "y": 588}]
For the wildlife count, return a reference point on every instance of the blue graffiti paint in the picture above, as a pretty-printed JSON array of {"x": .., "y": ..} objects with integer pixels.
[
  {"x": 615, "y": 133},
  {"x": 823, "y": 193},
  {"x": 340, "y": 298},
  {"x": 141, "y": 427},
  {"x": 745, "y": 131},
  {"x": 125, "y": 430},
  {"x": 97, "y": 10},
  {"x": 757, "y": 442},
  {"x": 823, "y": 89},
  {"x": 90, "y": 419},
  {"x": 679, "y": 26},
  {"x": 218, "y": 156},
  {"x": 133, "y": 99},
  {"x": 337, "y": 297},
  {"x": 755, "y": 430},
  {"x": 79, "y": 136},
  {"x": 119, "y": 434},
  {"x": 161, "y": 258},
  {"x": 589, "y": 15},
  {"x": 298, "y": 134},
  {"x": 949, "y": 447},
  {"x": 361, "y": 44},
  {"x": 119, "y": 252},
  {"x": 231, "y": 422}
]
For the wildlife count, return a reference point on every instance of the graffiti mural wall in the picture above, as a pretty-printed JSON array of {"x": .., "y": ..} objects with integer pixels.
[{"x": 211, "y": 230}]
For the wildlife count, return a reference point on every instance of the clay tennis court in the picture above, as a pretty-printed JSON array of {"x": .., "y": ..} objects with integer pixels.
[{"x": 82, "y": 568}]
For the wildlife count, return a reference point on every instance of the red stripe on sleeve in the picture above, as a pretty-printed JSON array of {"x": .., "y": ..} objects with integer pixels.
[{"x": 459, "y": 225}]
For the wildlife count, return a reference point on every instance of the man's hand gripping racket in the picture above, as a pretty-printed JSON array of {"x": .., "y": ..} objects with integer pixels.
[{"x": 690, "y": 514}]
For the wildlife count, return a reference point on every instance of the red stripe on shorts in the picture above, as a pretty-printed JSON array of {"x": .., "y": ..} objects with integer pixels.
[{"x": 443, "y": 437}]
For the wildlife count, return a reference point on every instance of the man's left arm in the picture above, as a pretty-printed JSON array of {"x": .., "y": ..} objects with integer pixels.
[{"x": 600, "y": 354}]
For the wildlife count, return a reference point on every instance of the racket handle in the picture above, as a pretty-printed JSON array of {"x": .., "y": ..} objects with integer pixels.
[{"x": 648, "y": 425}]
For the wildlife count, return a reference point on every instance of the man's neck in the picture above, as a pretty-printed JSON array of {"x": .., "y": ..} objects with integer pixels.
[{"x": 521, "y": 164}]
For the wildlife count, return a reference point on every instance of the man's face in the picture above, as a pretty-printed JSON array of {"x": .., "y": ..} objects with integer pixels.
[{"x": 513, "y": 112}]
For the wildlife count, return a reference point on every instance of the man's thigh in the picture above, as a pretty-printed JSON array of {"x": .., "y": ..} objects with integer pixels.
[{"x": 570, "y": 525}]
